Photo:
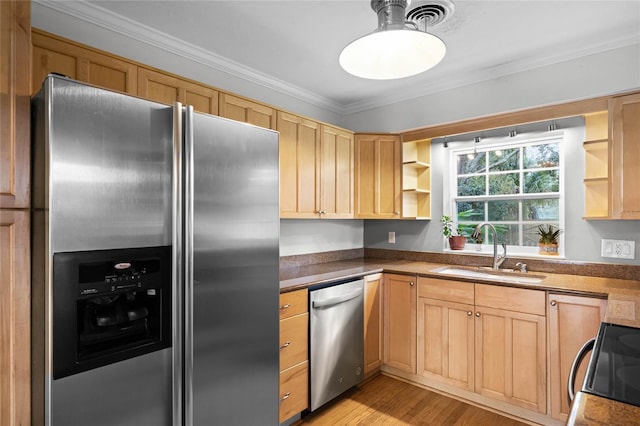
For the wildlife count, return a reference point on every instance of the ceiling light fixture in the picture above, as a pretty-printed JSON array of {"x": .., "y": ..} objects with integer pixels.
[{"x": 396, "y": 49}]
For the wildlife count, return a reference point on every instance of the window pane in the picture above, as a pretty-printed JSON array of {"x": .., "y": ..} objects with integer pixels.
[
  {"x": 504, "y": 159},
  {"x": 547, "y": 155},
  {"x": 472, "y": 185},
  {"x": 470, "y": 211},
  {"x": 506, "y": 183},
  {"x": 502, "y": 210},
  {"x": 507, "y": 233},
  {"x": 530, "y": 237},
  {"x": 471, "y": 163},
  {"x": 541, "y": 209},
  {"x": 542, "y": 181}
]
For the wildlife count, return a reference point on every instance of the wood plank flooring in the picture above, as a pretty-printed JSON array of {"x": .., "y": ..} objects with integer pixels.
[{"x": 387, "y": 401}]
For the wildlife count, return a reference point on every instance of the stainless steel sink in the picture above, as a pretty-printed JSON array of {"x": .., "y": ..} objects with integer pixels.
[{"x": 490, "y": 274}]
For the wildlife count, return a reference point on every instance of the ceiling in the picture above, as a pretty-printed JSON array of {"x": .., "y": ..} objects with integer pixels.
[{"x": 294, "y": 45}]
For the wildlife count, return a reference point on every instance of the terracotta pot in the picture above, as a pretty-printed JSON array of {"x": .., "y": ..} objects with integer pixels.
[
  {"x": 457, "y": 242},
  {"x": 548, "y": 249}
]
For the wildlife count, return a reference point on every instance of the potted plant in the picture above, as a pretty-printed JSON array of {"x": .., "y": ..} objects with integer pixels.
[
  {"x": 548, "y": 239},
  {"x": 454, "y": 234}
]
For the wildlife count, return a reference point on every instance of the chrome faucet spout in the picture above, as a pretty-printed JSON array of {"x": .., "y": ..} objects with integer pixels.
[{"x": 497, "y": 260}]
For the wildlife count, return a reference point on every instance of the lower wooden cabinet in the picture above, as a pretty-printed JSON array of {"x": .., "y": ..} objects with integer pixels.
[
  {"x": 572, "y": 321},
  {"x": 400, "y": 322},
  {"x": 372, "y": 324},
  {"x": 294, "y": 353}
]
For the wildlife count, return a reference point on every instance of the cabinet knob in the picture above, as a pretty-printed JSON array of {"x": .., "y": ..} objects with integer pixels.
[
  {"x": 478, "y": 314},
  {"x": 285, "y": 345},
  {"x": 412, "y": 283},
  {"x": 285, "y": 396},
  {"x": 321, "y": 212},
  {"x": 469, "y": 313},
  {"x": 283, "y": 307},
  {"x": 396, "y": 213},
  {"x": 553, "y": 303}
]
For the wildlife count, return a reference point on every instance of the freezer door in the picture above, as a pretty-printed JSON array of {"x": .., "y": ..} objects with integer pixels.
[{"x": 232, "y": 245}]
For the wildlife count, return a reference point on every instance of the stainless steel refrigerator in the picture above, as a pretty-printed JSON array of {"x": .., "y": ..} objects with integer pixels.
[{"x": 155, "y": 263}]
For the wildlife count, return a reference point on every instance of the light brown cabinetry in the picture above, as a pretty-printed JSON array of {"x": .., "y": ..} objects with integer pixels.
[
  {"x": 511, "y": 345},
  {"x": 572, "y": 321},
  {"x": 54, "y": 55},
  {"x": 372, "y": 323},
  {"x": 316, "y": 169},
  {"x": 247, "y": 111},
  {"x": 15, "y": 277},
  {"x": 446, "y": 331},
  {"x": 596, "y": 166},
  {"x": 400, "y": 298},
  {"x": 378, "y": 170},
  {"x": 294, "y": 353},
  {"x": 299, "y": 166},
  {"x": 167, "y": 89},
  {"x": 624, "y": 161},
  {"x": 416, "y": 179}
]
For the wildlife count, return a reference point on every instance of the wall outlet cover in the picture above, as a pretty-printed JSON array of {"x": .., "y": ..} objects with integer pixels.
[{"x": 621, "y": 249}]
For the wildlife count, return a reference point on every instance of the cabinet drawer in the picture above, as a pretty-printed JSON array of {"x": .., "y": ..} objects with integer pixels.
[
  {"x": 293, "y": 303},
  {"x": 294, "y": 390},
  {"x": 452, "y": 291},
  {"x": 511, "y": 299},
  {"x": 294, "y": 340}
]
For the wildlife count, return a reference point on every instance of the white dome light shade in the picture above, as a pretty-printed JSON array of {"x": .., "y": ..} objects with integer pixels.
[{"x": 392, "y": 53}]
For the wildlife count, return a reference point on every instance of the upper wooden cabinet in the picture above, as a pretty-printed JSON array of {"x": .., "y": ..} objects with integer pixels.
[
  {"x": 416, "y": 179},
  {"x": 378, "y": 170},
  {"x": 168, "y": 89},
  {"x": 596, "y": 166},
  {"x": 316, "y": 169},
  {"x": 246, "y": 111},
  {"x": 15, "y": 99},
  {"x": 54, "y": 55},
  {"x": 336, "y": 173},
  {"x": 299, "y": 166},
  {"x": 624, "y": 159}
]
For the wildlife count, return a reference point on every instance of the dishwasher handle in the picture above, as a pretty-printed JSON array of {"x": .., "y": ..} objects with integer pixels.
[
  {"x": 571, "y": 383},
  {"x": 336, "y": 300}
]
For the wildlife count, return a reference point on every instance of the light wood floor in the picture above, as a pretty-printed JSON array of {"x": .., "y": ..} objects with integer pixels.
[{"x": 387, "y": 401}]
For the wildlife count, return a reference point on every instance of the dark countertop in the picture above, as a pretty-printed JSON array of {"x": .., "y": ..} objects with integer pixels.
[
  {"x": 592, "y": 410},
  {"x": 294, "y": 278}
]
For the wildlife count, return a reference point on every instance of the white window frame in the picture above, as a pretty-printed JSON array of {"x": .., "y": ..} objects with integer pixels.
[{"x": 450, "y": 190}]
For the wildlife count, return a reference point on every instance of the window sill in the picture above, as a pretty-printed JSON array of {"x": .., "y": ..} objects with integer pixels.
[{"x": 470, "y": 249}]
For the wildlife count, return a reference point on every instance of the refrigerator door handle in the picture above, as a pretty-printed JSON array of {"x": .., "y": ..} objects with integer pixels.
[
  {"x": 177, "y": 268},
  {"x": 188, "y": 263}
]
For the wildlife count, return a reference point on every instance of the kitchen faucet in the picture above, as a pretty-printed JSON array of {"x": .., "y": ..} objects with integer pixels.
[{"x": 497, "y": 260}]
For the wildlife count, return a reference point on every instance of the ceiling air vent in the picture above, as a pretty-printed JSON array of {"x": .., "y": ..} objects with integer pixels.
[{"x": 429, "y": 13}]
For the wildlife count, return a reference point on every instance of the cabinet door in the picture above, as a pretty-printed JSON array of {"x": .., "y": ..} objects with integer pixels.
[
  {"x": 372, "y": 323},
  {"x": 336, "y": 173},
  {"x": 15, "y": 105},
  {"x": 299, "y": 167},
  {"x": 624, "y": 113},
  {"x": 168, "y": 89},
  {"x": 54, "y": 55},
  {"x": 511, "y": 357},
  {"x": 446, "y": 342},
  {"x": 400, "y": 322},
  {"x": 15, "y": 325},
  {"x": 378, "y": 167},
  {"x": 247, "y": 111},
  {"x": 572, "y": 321}
]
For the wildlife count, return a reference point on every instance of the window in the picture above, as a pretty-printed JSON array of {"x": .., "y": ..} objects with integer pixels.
[{"x": 514, "y": 186}]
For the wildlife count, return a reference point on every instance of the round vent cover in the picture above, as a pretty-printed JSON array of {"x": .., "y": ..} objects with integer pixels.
[{"x": 429, "y": 13}]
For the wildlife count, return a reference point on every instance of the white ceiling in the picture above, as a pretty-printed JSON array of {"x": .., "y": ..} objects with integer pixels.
[{"x": 294, "y": 45}]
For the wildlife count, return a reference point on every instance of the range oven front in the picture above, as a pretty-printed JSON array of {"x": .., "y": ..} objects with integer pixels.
[
  {"x": 614, "y": 367},
  {"x": 108, "y": 306}
]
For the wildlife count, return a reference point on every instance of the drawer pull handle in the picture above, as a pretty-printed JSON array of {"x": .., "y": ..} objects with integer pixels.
[
  {"x": 283, "y": 307},
  {"x": 285, "y": 396},
  {"x": 286, "y": 345}
]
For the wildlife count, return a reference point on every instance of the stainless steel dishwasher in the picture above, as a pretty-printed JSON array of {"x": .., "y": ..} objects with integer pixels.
[{"x": 336, "y": 340}]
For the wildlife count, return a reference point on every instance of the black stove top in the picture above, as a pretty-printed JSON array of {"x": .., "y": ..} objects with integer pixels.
[{"x": 614, "y": 369}]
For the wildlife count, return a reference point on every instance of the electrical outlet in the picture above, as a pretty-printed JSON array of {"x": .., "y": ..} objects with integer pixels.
[
  {"x": 392, "y": 237},
  {"x": 621, "y": 249}
]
